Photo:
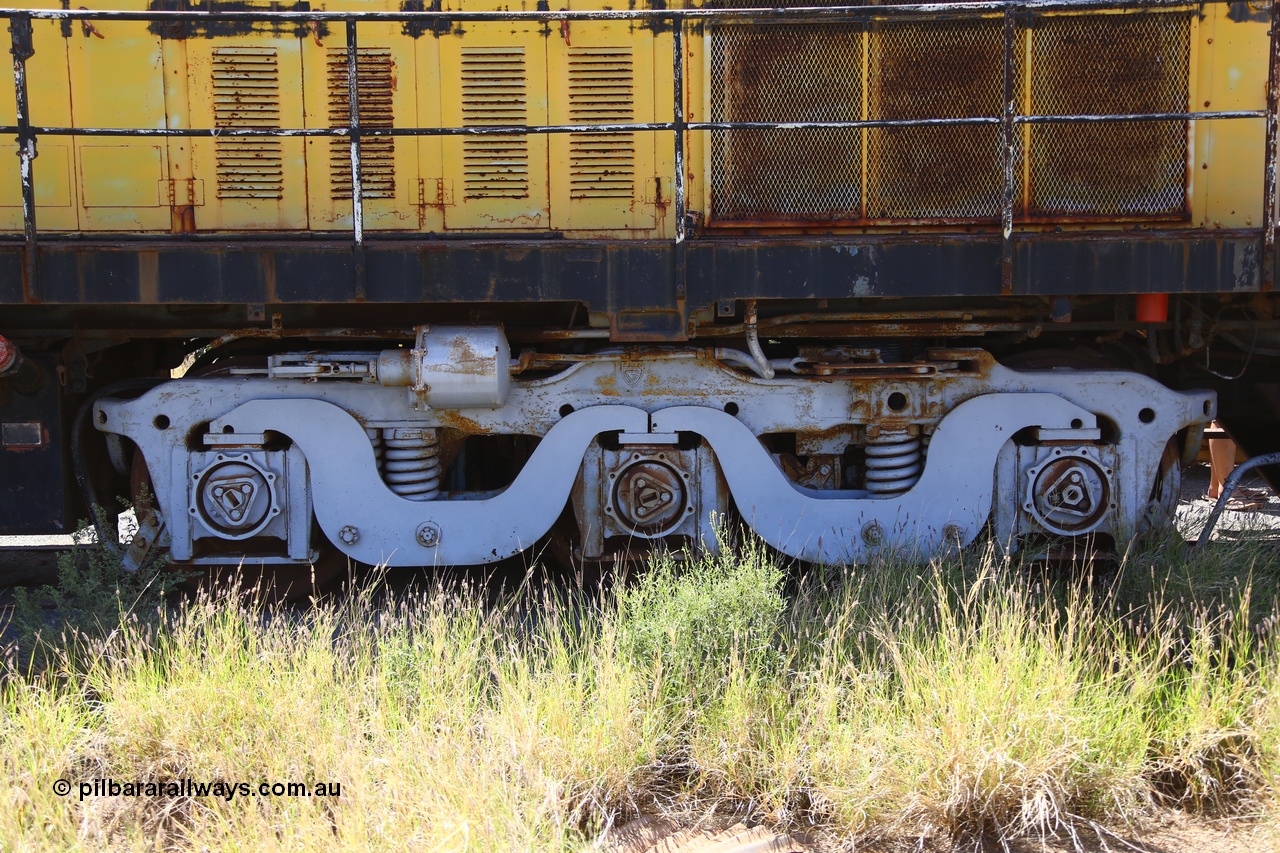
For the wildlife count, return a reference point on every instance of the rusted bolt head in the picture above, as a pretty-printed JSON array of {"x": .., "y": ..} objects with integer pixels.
[
  {"x": 428, "y": 535},
  {"x": 8, "y": 355},
  {"x": 349, "y": 535},
  {"x": 873, "y": 533},
  {"x": 953, "y": 533}
]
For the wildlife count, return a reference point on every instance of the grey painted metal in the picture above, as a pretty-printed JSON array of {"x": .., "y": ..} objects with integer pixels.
[
  {"x": 1009, "y": 155},
  {"x": 615, "y": 496},
  {"x": 449, "y": 367},
  {"x": 751, "y": 329},
  {"x": 1228, "y": 489},
  {"x": 353, "y": 131},
  {"x": 945, "y": 509},
  {"x": 686, "y": 390},
  {"x": 348, "y": 492},
  {"x": 681, "y": 376},
  {"x": 183, "y": 525},
  {"x": 677, "y": 53}
]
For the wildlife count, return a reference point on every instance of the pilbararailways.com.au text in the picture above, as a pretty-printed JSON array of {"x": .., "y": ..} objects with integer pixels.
[{"x": 188, "y": 788}]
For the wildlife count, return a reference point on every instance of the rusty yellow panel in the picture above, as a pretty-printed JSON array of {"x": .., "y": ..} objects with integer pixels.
[
  {"x": 389, "y": 166},
  {"x": 52, "y": 179},
  {"x": 252, "y": 81},
  {"x": 116, "y": 176},
  {"x": 495, "y": 74},
  {"x": 117, "y": 80},
  {"x": 664, "y": 168},
  {"x": 600, "y": 73},
  {"x": 436, "y": 190},
  {"x": 1227, "y": 167},
  {"x": 48, "y": 92}
]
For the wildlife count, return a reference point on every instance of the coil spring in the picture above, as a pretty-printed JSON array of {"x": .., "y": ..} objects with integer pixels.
[
  {"x": 894, "y": 462},
  {"x": 411, "y": 463},
  {"x": 375, "y": 438}
]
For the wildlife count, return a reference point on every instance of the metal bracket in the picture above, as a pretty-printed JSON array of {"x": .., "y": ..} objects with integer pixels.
[
  {"x": 471, "y": 532},
  {"x": 149, "y": 535},
  {"x": 435, "y": 192},
  {"x": 183, "y": 192}
]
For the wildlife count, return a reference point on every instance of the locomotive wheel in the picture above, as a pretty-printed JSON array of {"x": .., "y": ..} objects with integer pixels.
[
  {"x": 263, "y": 584},
  {"x": 1162, "y": 506},
  {"x": 1166, "y": 490}
]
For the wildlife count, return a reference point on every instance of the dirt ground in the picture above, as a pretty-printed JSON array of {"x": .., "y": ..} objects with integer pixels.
[{"x": 1169, "y": 832}]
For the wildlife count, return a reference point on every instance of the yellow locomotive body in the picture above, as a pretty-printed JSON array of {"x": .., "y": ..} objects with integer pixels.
[{"x": 291, "y": 74}]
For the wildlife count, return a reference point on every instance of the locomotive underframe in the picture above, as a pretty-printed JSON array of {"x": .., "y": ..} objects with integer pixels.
[{"x": 1065, "y": 452}]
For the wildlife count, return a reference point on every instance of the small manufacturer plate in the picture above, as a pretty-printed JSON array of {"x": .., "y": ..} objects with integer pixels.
[{"x": 21, "y": 434}]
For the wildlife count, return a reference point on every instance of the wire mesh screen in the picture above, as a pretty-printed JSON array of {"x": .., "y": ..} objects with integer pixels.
[
  {"x": 1118, "y": 64},
  {"x": 807, "y": 72},
  {"x": 1092, "y": 64},
  {"x": 943, "y": 69}
]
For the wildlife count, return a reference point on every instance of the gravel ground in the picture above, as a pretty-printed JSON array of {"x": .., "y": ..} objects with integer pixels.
[{"x": 1195, "y": 507}]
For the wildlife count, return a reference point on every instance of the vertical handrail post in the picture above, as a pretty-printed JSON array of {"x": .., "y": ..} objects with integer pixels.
[
  {"x": 1269, "y": 178},
  {"x": 677, "y": 52},
  {"x": 678, "y": 124},
  {"x": 23, "y": 48},
  {"x": 1008, "y": 150},
  {"x": 357, "y": 179}
]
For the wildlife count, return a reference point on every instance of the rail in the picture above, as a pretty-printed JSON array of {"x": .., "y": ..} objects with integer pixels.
[{"x": 23, "y": 48}]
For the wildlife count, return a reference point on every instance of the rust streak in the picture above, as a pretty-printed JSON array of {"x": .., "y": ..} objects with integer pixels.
[{"x": 453, "y": 420}]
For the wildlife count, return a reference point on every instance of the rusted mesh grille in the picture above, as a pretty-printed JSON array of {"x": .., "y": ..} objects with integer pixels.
[
  {"x": 1118, "y": 64},
  {"x": 1095, "y": 64},
  {"x": 786, "y": 73},
  {"x": 945, "y": 69},
  {"x": 375, "y": 72},
  {"x": 246, "y": 94},
  {"x": 600, "y": 92}
]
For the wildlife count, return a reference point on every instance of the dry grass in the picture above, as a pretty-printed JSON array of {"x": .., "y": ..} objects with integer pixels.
[{"x": 888, "y": 701}]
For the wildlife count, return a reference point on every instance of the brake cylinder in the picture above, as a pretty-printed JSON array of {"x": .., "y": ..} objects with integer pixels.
[{"x": 452, "y": 367}]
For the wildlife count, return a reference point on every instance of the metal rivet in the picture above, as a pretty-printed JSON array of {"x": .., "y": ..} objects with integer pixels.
[
  {"x": 873, "y": 533},
  {"x": 428, "y": 535}
]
